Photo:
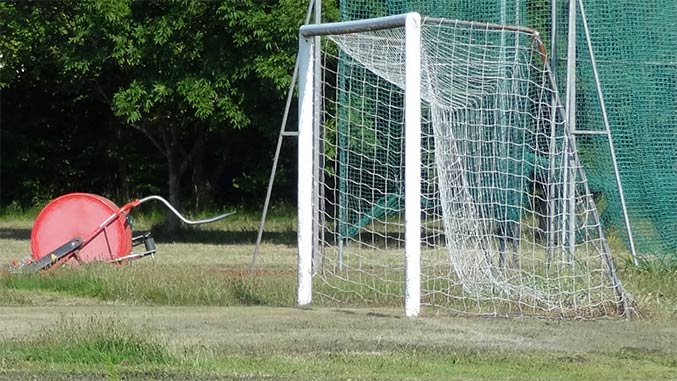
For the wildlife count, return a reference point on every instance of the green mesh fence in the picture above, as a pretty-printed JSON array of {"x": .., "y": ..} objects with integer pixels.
[{"x": 635, "y": 46}]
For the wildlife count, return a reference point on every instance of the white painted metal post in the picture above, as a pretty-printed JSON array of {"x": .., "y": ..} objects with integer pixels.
[
  {"x": 552, "y": 210},
  {"x": 305, "y": 170},
  {"x": 317, "y": 148},
  {"x": 412, "y": 173},
  {"x": 570, "y": 174}
]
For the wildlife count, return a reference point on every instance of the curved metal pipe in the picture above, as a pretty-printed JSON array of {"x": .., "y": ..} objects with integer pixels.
[{"x": 182, "y": 218}]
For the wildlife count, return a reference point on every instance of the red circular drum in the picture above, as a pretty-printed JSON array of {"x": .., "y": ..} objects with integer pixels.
[{"x": 79, "y": 215}]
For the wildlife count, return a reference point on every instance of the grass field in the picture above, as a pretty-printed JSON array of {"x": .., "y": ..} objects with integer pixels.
[{"x": 195, "y": 313}]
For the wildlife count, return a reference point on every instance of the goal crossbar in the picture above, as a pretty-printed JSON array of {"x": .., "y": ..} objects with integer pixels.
[{"x": 395, "y": 21}]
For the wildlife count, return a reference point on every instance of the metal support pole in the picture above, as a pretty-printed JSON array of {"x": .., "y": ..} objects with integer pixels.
[
  {"x": 605, "y": 117},
  {"x": 283, "y": 133},
  {"x": 305, "y": 170},
  {"x": 552, "y": 190},
  {"x": 570, "y": 174},
  {"x": 412, "y": 165},
  {"x": 317, "y": 167},
  {"x": 552, "y": 210}
]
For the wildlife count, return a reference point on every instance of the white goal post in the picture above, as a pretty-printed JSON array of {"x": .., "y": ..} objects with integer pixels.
[
  {"x": 436, "y": 167},
  {"x": 307, "y": 84}
]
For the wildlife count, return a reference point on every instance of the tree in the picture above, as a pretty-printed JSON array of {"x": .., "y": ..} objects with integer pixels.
[{"x": 184, "y": 73}]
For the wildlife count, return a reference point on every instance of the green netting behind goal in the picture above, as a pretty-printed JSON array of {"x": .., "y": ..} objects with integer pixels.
[{"x": 635, "y": 46}]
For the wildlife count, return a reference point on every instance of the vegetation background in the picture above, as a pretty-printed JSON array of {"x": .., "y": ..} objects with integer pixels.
[
  {"x": 124, "y": 99},
  {"x": 183, "y": 98}
]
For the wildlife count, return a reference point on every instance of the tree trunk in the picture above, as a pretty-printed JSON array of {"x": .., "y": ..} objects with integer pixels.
[
  {"x": 124, "y": 192},
  {"x": 174, "y": 176},
  {"x": 178, "y": 162},
  {"x": 201, "y": 186}
]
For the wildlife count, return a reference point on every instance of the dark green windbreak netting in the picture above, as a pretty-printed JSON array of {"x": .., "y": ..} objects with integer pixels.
[{"x": 635, "y": 46}]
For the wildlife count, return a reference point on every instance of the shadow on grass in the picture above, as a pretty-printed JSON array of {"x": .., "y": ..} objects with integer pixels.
[
  {"x": 224, "y": 237},
  {"x": 244, "y": 236},
  {"x": 15, "y": 233},
  {"x": 219, "y": 237}
]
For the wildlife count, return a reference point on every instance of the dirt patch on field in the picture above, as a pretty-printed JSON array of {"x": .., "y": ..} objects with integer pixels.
[{"x": 256, "y": 273}]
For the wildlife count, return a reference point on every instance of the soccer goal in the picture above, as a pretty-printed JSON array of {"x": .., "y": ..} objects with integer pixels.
[{"x": 437, "y": 170}]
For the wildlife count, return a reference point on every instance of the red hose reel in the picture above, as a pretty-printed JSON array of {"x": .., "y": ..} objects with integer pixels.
[
  {"x": 79, "y": 215},
  {"x": 84, "y": 227}
]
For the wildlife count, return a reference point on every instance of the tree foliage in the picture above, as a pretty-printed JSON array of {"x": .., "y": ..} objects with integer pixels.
[{"x": 189, "y": 88}]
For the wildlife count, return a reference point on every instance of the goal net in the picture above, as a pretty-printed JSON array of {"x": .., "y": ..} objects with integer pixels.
[{"x": 436, "y": 167}]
